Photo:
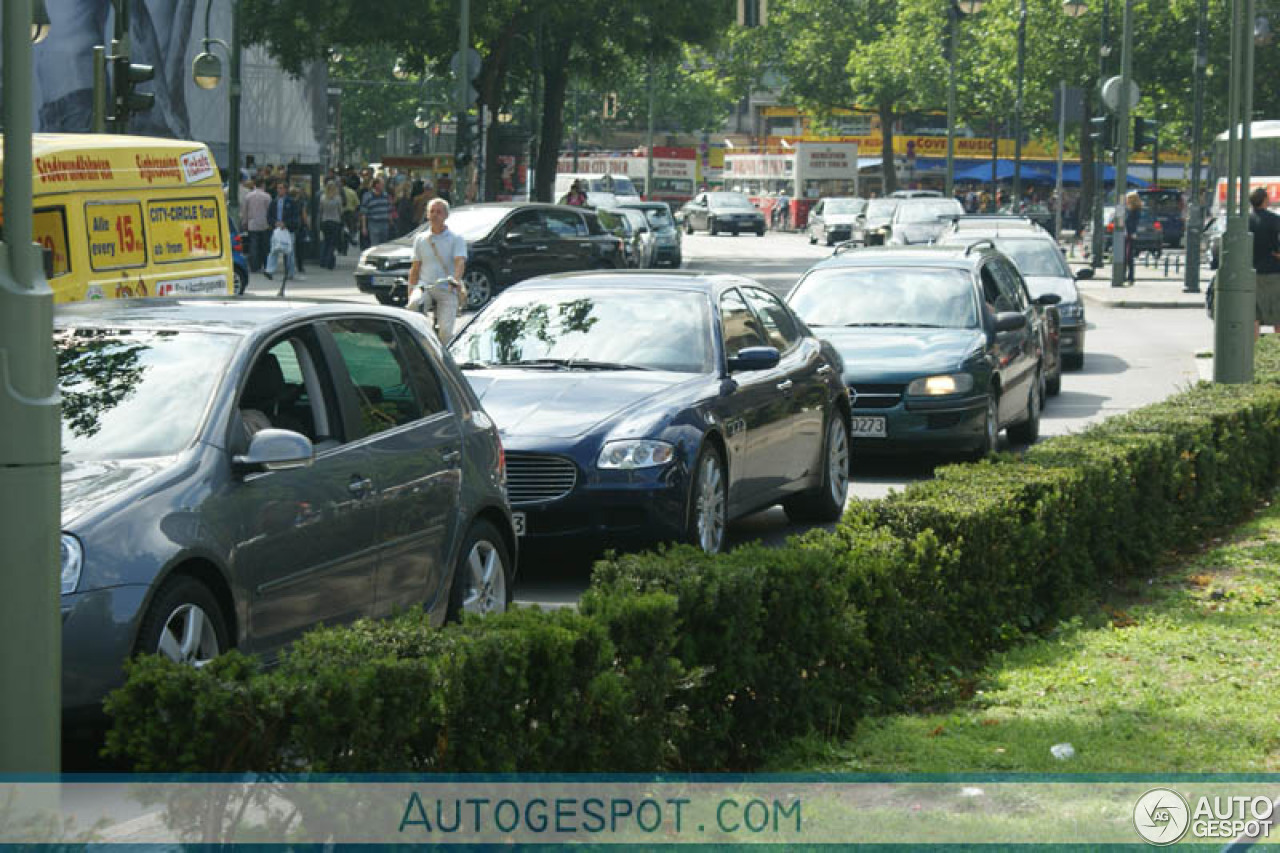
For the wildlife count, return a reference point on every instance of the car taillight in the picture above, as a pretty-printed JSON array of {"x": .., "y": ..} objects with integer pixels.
[
  {"x": 502, "y": 463},
  {"x": 1111, "y": 226},
  {"x": 238, "y": 242},
  {"x": 1159, "y": 227}
]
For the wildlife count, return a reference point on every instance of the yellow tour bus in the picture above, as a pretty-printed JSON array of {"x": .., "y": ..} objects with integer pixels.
[{"x": 129, "y": 216}]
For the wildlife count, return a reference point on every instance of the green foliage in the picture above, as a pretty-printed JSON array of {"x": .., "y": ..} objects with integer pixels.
[{"x": 680, "y": 660}]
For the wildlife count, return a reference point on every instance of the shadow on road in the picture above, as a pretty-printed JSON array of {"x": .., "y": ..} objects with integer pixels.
[{"x": 1100, "y": 364}]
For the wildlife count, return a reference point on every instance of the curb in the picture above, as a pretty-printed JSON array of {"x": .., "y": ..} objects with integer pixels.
[{"x": 1139, "y": 303}]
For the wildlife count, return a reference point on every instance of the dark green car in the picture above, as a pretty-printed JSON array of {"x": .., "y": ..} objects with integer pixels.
[{"x": 941, "y": 345}]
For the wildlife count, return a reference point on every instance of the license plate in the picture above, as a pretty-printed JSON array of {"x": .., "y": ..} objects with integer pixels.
[
  {"x": 868, "y": 428},
  {"x": 518, "y": 522},
  {"x": 386, "y": 280}
]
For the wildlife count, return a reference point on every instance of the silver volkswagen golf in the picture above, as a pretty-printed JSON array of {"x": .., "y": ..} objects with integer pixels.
[{"x": 237, "y": 472}]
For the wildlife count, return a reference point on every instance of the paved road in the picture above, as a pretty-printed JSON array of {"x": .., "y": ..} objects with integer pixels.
[{"x": 1135, "y": 357}]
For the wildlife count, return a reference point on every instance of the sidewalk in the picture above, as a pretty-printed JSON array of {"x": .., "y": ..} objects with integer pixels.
[{"x": 1152, "y": 288}]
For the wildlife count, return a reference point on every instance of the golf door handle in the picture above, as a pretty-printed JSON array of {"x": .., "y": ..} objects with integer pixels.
[
  {"x": 824, "y": 370},
  {"x": 360, "y": 486},
  {"x": 785, "y": 385},
  {"x": 451, "y": 456},
  {"x": 540, "y": 248}
]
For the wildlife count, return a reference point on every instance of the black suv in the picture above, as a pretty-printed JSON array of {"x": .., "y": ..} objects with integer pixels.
[{"x": 506, "y": 242}]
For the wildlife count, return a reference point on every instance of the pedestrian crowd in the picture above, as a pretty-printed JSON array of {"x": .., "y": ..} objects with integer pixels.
[{"x": 353, "y": 207}]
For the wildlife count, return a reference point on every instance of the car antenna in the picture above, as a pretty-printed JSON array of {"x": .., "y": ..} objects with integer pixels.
[
  {"x": 976, "y": 244},
  {"x": 844, "y": 246}
]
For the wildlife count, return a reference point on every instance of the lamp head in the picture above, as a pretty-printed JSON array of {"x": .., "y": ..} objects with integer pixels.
[
  {"x": 206, "y": 70},
  {"x": 39, "y": 22},
  {"x": 1075, "y": 8},
  {"x": 1262, "y": 35}
]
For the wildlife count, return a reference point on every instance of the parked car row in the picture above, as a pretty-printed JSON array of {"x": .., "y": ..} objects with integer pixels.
[{"x": 237, "y": 471}]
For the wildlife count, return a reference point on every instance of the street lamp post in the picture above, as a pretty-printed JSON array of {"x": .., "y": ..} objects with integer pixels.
[
  {"x": 1017, "y": 106},
  {"x": 31, "y": 638},
  {"x": 1122, "y": 145},
  {"x": 1076, "y": 8},
  {"x": 956, "y": 9},
  {"x": 1235, "y": 311},
  {"x": 1195, "y": 214},
  {"x": 206, "y": 71}
]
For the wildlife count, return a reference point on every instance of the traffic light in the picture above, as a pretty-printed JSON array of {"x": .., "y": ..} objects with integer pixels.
[
  {"x": 1144, "y": 132},
  {"x": 1101, "y": 131},
  {"x": 126, "y": 76}
]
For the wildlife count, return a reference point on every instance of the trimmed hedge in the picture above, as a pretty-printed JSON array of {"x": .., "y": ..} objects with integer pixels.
[{"x": 679, "y": 660}]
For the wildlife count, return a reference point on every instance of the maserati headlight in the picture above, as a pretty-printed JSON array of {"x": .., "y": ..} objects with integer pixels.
[
  {"x": 72, "y": 562},
  {"x": 635, "y": 453},
  {"x": 938, "y": 386}
]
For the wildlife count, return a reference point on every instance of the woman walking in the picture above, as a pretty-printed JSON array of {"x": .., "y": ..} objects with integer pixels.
[{"x": 1132, "y": 219}]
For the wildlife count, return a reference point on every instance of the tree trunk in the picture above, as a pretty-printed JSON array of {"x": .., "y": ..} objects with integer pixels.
[
  {"x": 493, "y": 82},
  {"x": 995, "y": 165},
  {"x": 888, "y": 163},
  {"x": 1088, "y": 172},
  {"x": 555, "y": 82}
]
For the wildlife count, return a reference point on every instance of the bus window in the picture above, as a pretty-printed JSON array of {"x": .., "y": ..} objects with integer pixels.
[{"x": 49, "y": 228}]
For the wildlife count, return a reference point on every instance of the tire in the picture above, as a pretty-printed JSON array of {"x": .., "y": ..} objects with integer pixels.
[
  {"x": 242, "y": 281},
  {"x": 184, "y": 623},
  {"x": 830, "y": 240},
  {"x": 826, "y": 502},
  {"x": 688, "y": 226},
  {"x": 813, "y": 238},
  {"x": 480, "y": 286},
  {"x": 759, "y": 232},
  {"x": 483, "y": 576},
  {"x": 1073, "y": 362},
  {"x": 711, "y": 227},
  {"x": 1029, "y": 430},
  {"x": 1053, "y": 387},
  {"x": 707, "y": 513},
  {"x": 991, "y": 431}
]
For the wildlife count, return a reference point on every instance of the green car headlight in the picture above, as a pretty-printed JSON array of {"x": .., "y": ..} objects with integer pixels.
[{"x": 940, "y": 386}]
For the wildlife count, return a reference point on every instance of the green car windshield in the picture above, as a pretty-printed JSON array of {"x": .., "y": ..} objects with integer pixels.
[{"x": 887, "y": 296}]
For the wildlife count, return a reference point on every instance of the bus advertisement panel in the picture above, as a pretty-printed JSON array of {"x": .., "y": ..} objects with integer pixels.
[{"x": 129, "y": 216}]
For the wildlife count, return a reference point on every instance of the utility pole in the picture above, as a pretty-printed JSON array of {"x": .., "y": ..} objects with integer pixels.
[
  {"x": 1017, "y": 107},
  {"x": 233, "y": 124},
  {"x": 648, "y": 164},
  {"x": 1099, "y": 184},
  {"x": 1235, "y": 310},
  {"x": 31, "y": 643},
  {"x": 953, "y": 22},
  {"x": 1122, "y": 146},
  {"x": 1195, "y": 213},
  {"x": 462, "y": 142}
]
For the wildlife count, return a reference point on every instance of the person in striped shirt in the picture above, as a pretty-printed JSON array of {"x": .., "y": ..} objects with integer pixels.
[{"x": 375, "y": 214}]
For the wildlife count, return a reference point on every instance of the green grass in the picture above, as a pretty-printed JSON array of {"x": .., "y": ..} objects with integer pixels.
[{"x": 1180, "y": 673}]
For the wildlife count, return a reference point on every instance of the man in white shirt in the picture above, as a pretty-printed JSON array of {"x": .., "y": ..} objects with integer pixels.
[{"x": 439, "y": 261}]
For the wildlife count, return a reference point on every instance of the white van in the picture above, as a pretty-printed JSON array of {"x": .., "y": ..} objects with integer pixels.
[{"x": 602, "y": 190}]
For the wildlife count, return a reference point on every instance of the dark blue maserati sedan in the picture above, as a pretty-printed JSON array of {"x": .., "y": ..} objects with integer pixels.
[{"x": 643, "y": 406}]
